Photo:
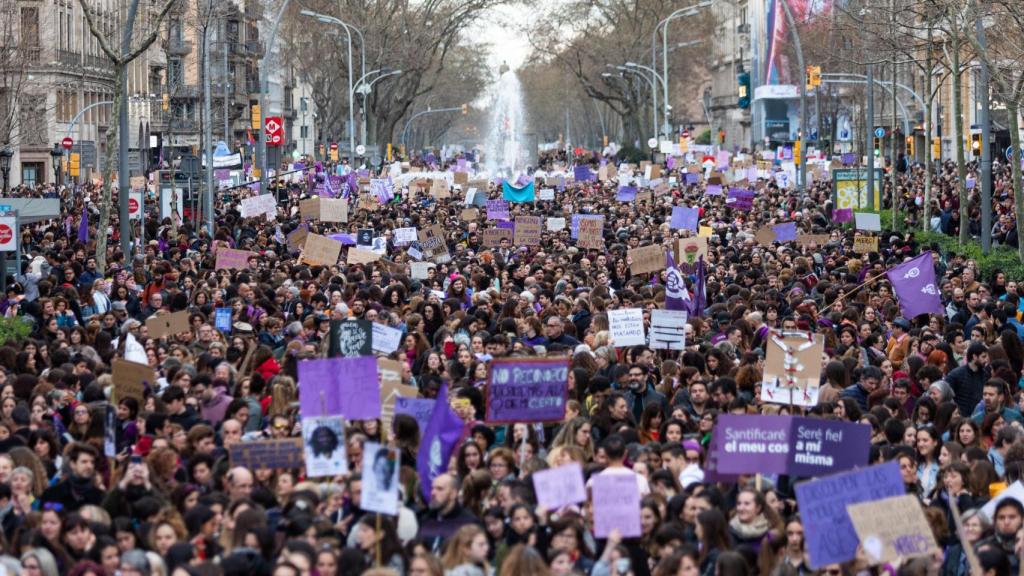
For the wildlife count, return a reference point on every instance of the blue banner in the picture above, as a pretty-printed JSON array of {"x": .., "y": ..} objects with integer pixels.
[{"x": 513, "y": 194}]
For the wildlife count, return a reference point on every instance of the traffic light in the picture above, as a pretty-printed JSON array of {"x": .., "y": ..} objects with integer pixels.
[
  {"x": 976, "y": 144},
  {"x": 165, "y": 104},
  {"x": 743, "y": 93},
  {"x": 878, "y": 146},
  {"x": 465, "y": 109},
  {"x": 814, "y": 76},
  {"x": 910, "y": 146}
]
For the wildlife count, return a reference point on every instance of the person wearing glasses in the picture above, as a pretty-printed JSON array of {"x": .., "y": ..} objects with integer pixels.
[{"x": 39, "y": 562}]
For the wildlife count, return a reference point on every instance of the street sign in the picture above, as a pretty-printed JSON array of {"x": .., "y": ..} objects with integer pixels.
[
  {"x": 360, "y": 149},
  {"x": 275, "y": 131},
  {"x": 880, "y": 132},
  {"x": 686, "y": 133},
  {"x": 67, "y": 143},
  {"x": 1009, "y": 152},
  {"x": 652, "y": 143},
  {"x": 8, "y": 237}
]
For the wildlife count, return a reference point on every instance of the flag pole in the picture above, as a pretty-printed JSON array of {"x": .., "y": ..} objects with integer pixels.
[{"x": 856, "y": 288}]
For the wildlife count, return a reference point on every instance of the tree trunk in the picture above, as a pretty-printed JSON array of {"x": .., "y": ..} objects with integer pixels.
[
  {"x": 1012, "y": 109},
  {"x": 958, "y": 139},
  {"x": 926, "y": 201},
  {"x": 106, "y": 200}
]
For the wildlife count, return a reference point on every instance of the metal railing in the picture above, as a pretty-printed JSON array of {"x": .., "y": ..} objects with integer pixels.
[{"x": 177, "y": 46}]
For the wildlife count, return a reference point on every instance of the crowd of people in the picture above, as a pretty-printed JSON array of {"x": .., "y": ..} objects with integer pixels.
[{"x": 941, "y": 393}]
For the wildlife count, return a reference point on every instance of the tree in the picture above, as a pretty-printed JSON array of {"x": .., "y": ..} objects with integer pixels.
[
  {"x": 120, "y": 60},
  {"x": 13, "y": 64}
]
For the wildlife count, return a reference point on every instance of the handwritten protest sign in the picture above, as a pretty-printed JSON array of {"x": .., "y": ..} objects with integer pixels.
[
  {"x": 497, "y": 210},
  {"x": 346, "y": 386},
  {"x": 469, "y": 214},
  {"x": 258, "y": 205},
  {"x": 591, "y": 233},
  {"x": 320, "y": 250},
  {"x": 296, "y": 239},
  {"x": 421, "y": 270},
  {"x": 647, "y": 259},
  {"x": 789, "y": 445},
  {"x": 812, "y": 239},
  {"x": 526, "y": 390},
  {"x": 385, "y": 338},
  {"x": 323, "y": 440},
  {"x": 893, "y": 528},
  {"x": 865, "y": 244},
  {"x": 627, "y": 327},
  {"x": 528, "y": 230},
  {"x": 556, "y": 224},
  {"x": 405, "y": 235},
  {"x": 829, "y": 534},
  {"x": 740, "y": 199},
  {"x": 616, "y": 502},
  {"x": 334, "y": 210},
  {"x": 559, "y": 487},
  {"x": 131, "y": 379},
  {"x": 685, "y": 218},
  {"x": 309, "y": 209},
  {"x": 361, "y": 256},
  {"x": 547, "y": 194},
  {"x": 492, "y": 237},
  {"x": 228, "y": 258},
  {"x": 281, "y": 453},
  {"x": 350, "y": 338},
  {"x": 668, "y": 329},
  {"x": 164, "y": 325}
]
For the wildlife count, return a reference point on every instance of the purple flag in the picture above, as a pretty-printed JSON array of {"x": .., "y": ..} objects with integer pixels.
[
  {"x": 670, "y": 162},
  {"x": 439, "y": 439},
  {"x": 583, "y": 174},
  {"x": 353, "y": 184},
  {"x": 691, "y": 178},
  {"x": 676, "y": 295},
  {"x": 842, "y": 215},
  {"x": 685, "y": 218},
  {"x": 67, "y": 225},
  {"x": 740, "y": 199},
  {"x": 914, "y": 284},
  {"x": 83, "y": 227},
  {"x": 785, "y": 232}
]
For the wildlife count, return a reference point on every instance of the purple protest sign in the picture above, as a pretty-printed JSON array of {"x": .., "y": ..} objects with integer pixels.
[
  {"x": 418, "y": 408},
  {"x": 222, "y": 174},
  {"x": 561, "y": 486},
  {"x": 827, "y": 446},
  {"x": 785, "y": 232},
  {"x": 670, "y": 162},
  {"x": 497, "y": 210},
  {"x": 829, "y": 534},
  {"x": 740, "y": 199},
  {"x": 340, "y": 386},
  {"x": 713, "y": 190},
  {"x": 582, "y": 174},
  {"x": 691, "y": 178},
  {"x": 840, "y": 215},
  {"x": 520, "y": 390},
  {"x": 752, "y": 444},
  {"x": 722, "y": 160},
  {"x": 849, "y": 159},
  {"x": 506, "y": 225},
  {"x": 626, "y": 194},
  {"x": 574, "y": 227},
  {"x": 685, "y": 218},
  {"x": 616, "y": 499},
  {"x": 751, "y": 173},
  {"x": 460, "y": 165}
]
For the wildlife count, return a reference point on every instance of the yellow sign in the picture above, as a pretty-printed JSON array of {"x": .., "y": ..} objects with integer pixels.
[
  {"x": 704, "y": 232},
  {"x": 796, "y": 152},
  {"x": 389, "y": 152},
  {"x": 73, "y": 164},
  {"x": 256, "y": 173},
  {"x": 936, "y": 147},
  {"x": 256, "y": 117}
]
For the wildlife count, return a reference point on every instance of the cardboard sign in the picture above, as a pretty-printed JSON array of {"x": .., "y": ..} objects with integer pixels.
[
  {"x": 647, "y": 259},
  {"x": 812, "y": 239},
  {"x": 228, "y": 259},
  {"x": 627, "y": 327},
  {"x": 870, "y": 221},
  {"x": 281, "y": 453},
  {"x": 391, "y": 389},
  {"x": 559, "y": 487},
  {"x": 296, "y": 239},
  {"x": 527, "y": 390},
  {"x": 789, "y": 445},
  {"x": 137, "y": 182},
  {"x": 829, "y": 534},
  {"x": 405, "y": 235},
  {"x": 591, "y": 234},
  {"x": 323, "y": 439},
  {"x": 339, "y": 386},
  {"x": 258, "y": 205},
  {"x": 616, "y": 503},
  {"x": 469, "y": 214},
  {"x": 310, "y": 209},
  {"x": 170, "y": 324},
  {"x": 668, "y": 329},
  {"x": 497, "y": 209},
  {"x": 320, "y": 250},
  {"x": 528, "y": 230},
  {"x": 892, "y": 529},
  {"x": 547, "y": 194},
  {"x": 432, "y": 240},
  {"x": 350, "y": 338},
  {"x": 792, "y": 368},
  {"x": 689, "y": 250},
  {"x": 556, "y": 224},
  {"x": 439, "y": 189},
  {"x": 367, "y": 202},
  {"x": 492, "y": 237},
  {"x": 361, "y": 256},
  {"x": 131, "y": 380},
  {"x": 385, "y": 338},
  {"x": 865, "y": 244},
  {"x": 461, "y": 177},
  {"x": 421, "y": 270},
  {"x": 333, "y": 210}
]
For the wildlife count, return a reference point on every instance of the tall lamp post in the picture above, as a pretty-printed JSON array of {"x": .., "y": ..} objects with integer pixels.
[
  {"x": 5, "y": 166},
  {"x": 55, "y": 156},
  {"x": 325, "y": 19}
]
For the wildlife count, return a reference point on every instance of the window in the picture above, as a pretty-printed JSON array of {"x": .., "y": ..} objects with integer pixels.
[
  {"x": 304, "y": 132},
  {"x": 30, "y": 33},
  {"x": 30, "y": 173}
]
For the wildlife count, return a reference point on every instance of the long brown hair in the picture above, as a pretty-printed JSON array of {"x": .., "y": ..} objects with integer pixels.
[{"x": 456, "y": 551}]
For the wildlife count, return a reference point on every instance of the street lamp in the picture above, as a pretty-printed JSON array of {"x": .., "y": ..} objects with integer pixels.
[
  {"x": 5, "y": 165},
  {"x": 325, "y": 19},
  {"x": 363, "y": 88},
  {"x": 55, "y": 156}
]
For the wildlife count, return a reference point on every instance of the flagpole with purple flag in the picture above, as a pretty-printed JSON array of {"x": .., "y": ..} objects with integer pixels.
[
  {"x": 914, "y": 285},
  {"x": 439, "y": 440},
  {"x": 83, "y": 226}
]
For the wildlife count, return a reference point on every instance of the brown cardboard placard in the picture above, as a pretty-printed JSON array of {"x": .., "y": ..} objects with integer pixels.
[
  {"x": 892, "y": 529},
  {"x": 131, "y": 379},
  {"x": 644, "y": 196},
  {"x": 297, "y": 238},
  {"x": 310, "y": 209},
  {"x": 590, "y": 233},
  {"x": 492, "y": 237},
  {"x": 470, "y": 214},
  {"x": 168, "y": 324},
  {"x": 334, "y": 210},
  {"x": 439, "y": 189},
  {"x": 461, "y": 177},
  {"x": 815, "y": 239},
  {"x": 367, "y": 202},
  {"x": 647, "y": 259},
  {"x": 865, "y": 244},
  {"x": 689, "y": 250},
  {"x": 391, "y": 388},
  {"x": 765, "y": 236},
  {"x": 229, "y": 258},
  {"x": 528, "y": 230},
  {"x": 321, "y": 250},
  {"x": 361, "y": 256},
  {"x": 138, "y": 182}
]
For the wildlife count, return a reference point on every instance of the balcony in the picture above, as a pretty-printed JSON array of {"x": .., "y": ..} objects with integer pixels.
[
  {"x": 252, "y": 86},
  {"x": 182, "y": 91},
  {"x": 177, "y": 46},
  {"x": 32, "y": 54},
  {"x": 182, "y": 125},
  {"x": 66, "y": 58},
  {"x": 237, "y": 48},
  {"x": 98, "y": 61},
  {"x": 254, "y": 48}
]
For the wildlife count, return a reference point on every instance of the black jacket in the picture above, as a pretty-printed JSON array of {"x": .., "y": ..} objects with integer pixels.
[{"x": 71, "y": 494}]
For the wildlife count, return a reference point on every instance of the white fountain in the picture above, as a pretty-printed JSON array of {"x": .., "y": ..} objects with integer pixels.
[{"x": 504, "y": 153}]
